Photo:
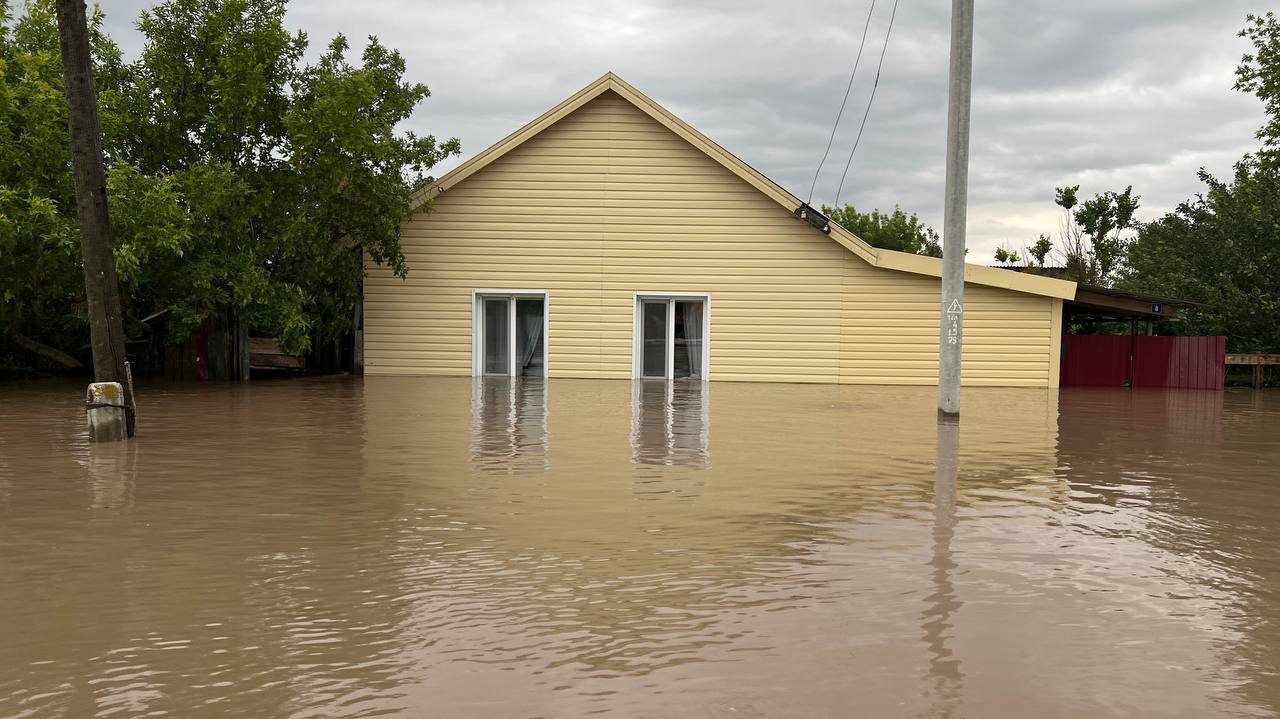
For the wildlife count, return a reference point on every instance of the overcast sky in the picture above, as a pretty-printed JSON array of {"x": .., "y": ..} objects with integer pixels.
[{"x": 1100, "y": 93}]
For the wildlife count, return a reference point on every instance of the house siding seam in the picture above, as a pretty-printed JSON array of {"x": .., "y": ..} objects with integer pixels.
[{"x": 607, "y": 202}]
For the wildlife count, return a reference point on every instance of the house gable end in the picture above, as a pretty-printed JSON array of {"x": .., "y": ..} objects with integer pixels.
[{"x": 885, "y": 259}]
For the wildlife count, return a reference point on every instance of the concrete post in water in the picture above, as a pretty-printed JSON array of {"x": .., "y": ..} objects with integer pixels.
[
  {"x": 951, "y": 336},
  {"x": 104, "y": 405}
]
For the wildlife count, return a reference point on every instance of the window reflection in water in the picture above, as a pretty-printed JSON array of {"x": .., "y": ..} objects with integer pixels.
[
  {"x": 670, "y": 423},
  {"x": 509, "y": 425}
]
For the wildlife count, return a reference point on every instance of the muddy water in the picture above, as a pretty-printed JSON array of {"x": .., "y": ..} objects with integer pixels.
[{"x": 434, "y": 547}]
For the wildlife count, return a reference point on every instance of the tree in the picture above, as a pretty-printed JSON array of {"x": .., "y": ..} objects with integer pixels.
[
  {"x": 1093, "y": 232},
  {"x": 1222, "y": 249},
  {"x": 291, "y": 174},
  {"x": 1257, "y": 74},
  {"x": 891, "y": 231},
  {"x": 1034, "y": 256},
  {"x": 1092, "y": 236},
  {"x": 240, "y": 177},
  {"x": 1006, "y": 256},
  {"x": 42, "y": 304},
  {"x": 1039, "y": 252}
]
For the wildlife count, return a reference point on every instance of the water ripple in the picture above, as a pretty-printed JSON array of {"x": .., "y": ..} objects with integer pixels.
[{"x": 411, "y": 547}]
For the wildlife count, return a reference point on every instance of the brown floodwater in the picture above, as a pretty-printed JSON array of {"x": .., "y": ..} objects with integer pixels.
[{"x": 414, "y": 547}]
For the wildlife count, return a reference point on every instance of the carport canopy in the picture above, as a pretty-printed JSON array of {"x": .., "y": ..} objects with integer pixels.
[{"x": 1104, "y": 304}]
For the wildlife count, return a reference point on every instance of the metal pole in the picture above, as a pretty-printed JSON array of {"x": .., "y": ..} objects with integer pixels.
[{"x": 951, "y": 337}]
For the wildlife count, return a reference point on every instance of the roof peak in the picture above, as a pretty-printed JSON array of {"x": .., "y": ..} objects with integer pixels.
[{"x": 887, "y": 259}]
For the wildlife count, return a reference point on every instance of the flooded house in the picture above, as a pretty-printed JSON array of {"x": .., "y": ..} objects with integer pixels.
[{"x": 608, "y": 238}]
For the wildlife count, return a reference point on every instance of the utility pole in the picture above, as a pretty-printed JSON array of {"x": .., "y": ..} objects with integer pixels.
[
  {"x": 102, "y": 288},
  {"x": 951, "y": 335}
]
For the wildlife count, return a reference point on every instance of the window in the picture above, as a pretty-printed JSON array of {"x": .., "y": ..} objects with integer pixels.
[
  {"x": 671, "y": 333},
  {"x": 510, "y": 333}
]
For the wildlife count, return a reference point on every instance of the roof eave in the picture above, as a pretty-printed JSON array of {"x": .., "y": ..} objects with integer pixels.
[
  {"x": 978, "y": 274},
  {"x": 887, "y": 259}
]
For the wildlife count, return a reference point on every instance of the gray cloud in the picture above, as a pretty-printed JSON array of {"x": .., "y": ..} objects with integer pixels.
[{"x": 1095, "y": 92}]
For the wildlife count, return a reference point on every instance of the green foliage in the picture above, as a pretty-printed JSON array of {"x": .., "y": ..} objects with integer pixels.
[
  {"x": 238, "y": 175},
  {"x": 1039, "y": 252},
  {"x": 1093, "y": 236},
  {"x": 1065, "y": 197},
  {"x": 892, "y": 231},
  {"x": 1034, "y": 256},
  {"x": 1222, "y": 249},
  {"x": 213, "y": 81},
  {"x": 1103, "y": 219},
  {"x": 1257, "y": 74},
  {"x": 1006, "y": 256},
  {"x": 41, "y": 283}
]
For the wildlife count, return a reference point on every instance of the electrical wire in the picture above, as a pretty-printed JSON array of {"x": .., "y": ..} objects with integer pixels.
[
  {"x": 848, "y": 87},
  {"x": 870, "y": 100}
]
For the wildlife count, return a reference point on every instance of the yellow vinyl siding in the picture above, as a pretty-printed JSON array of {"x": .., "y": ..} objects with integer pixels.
[
  {"x": 889, "y": 331},
  {"x": 604, "y": 204},
  {"x": 607, "y": 202}
]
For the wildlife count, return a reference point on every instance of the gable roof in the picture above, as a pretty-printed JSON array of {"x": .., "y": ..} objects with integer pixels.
[{"x": 877, "y": 257}]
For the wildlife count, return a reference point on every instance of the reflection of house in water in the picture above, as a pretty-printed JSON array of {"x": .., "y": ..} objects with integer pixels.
[
  {"x": 682, "y": 571},
  {"x": 509, "y": 424},
  {"x": 670, "y": 423}
]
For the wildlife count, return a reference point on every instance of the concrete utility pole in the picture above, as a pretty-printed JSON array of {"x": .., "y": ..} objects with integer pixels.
[
  {"x": 102, "y": 288},
  {"x": 951, "y": 337}
]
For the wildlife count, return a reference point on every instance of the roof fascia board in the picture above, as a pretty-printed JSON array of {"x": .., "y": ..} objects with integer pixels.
[
  {"x": 854, "y": 244},
  {"x": 978, "y": 274},
  {"x": 877, "y": 257}
]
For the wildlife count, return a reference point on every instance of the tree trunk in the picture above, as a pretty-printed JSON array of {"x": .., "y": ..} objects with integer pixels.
[{"x": 102, "y": 289}]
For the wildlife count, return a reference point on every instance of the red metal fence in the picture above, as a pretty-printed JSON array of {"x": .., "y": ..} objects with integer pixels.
[
  {"x": 1168, "y": 362},
  {"x": 1095, "y": 360}
]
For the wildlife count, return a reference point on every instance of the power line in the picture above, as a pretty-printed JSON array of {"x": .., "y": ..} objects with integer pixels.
[
  {"x": 848, "y": 87},
  {"x": 869, "y": 101}
]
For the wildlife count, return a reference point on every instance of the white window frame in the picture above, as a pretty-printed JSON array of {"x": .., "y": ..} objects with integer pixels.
[
  {"x": 637, "y": 331},
  {"x": 478, "y": 296}
]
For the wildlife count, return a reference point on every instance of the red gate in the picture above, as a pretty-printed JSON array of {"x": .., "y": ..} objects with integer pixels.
[{"x": 1166, "y": 362}]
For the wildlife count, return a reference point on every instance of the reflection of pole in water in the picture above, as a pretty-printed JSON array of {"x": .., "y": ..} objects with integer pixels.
[
  {"x": 111, "y": 469},
  {"x": 944, "y": 670}
]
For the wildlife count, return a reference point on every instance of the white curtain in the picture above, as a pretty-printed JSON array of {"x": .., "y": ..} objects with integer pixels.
[
  {"x": 692, "y": 318},
  {"x": 530, "y": 328}
]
